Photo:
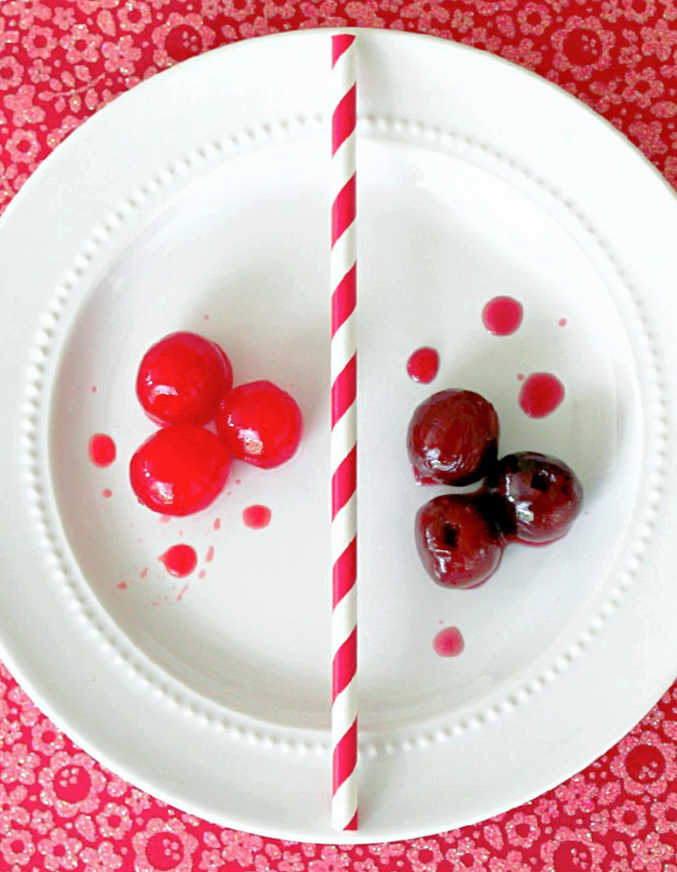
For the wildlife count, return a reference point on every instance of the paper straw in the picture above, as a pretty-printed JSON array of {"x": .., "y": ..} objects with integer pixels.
[{"x": 343, "y": 437}]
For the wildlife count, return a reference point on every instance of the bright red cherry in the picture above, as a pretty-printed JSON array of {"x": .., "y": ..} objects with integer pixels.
[
  {"x": 459, "y": 545},
  {"x": 260, "y": 423},
  {"x": 182, "y": 379},
  {"x": 181, "y": 469},
  {"x": 453, "y": 438},
  {"x": 535, "y": 498}
]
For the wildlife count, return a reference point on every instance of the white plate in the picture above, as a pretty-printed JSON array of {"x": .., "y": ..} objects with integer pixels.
[{"x": 203, "y": 192}]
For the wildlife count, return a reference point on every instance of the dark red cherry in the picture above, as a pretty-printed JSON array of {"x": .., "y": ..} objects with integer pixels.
[
  {"x": 459, "y": 545},
  {"x": 453, "y": 438},
  {"x": 536, "y": 498}
]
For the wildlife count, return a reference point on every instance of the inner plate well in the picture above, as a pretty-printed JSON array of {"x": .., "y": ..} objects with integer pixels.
[{"x": 240, "y": 255}]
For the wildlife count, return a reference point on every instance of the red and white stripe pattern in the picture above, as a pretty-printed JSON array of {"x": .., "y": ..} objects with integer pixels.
[{"x": 343, "y": 437}]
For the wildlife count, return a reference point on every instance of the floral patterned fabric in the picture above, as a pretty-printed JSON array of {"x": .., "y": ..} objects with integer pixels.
[{"x": 60, "y": 61}]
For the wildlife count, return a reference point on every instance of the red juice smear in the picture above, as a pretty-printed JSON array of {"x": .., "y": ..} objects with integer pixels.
[
  {"x": 179, "y": 560},
  {"x": 180, "y": 594},
  {"x": 144, "y": 572},
  {"x": 122, "y": 585},
  {"x": 256, "y": 517},
  {"x": 165, "y": 519},
  {"x": 94, "y": 389},
  {"x": 217, "y": 523},
  {"x": 502, "y": 315},
  {"x": 107, "y": 493},
  {"x": 449, "y": 642},
  {"x": 541, "y": 394},
  {"x": 201, "y": 573},
  {"x": 101, "y": 450},
  {"x": 209, "y": 556},
  {"x": 423, "y": 365}
]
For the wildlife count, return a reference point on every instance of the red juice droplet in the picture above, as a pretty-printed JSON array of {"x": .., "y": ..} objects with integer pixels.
[
  {"x": 144, "y": 572},
  {"x": 520, "y": 376},
  {"x": 101, "y": 450},
  {"x": 449, "y": 642},
  {"x": 502, "y": 315},
  {"x": 201, "y": 573},
  {"x": 256, "y": 517},
  {"x": 562, "y": 322},
  {"x": 107, "y": 493},
  {"x": 94, "y": 389},
  {"x": 217, "y": 523},
  {"x": 165, "y": 519},
  {"x": 179, "y": 560},
  {"x": 122, "y": 585},
  {"x": 209, "y": 556},
  {"x": 541, "y": 394},
  {"x": 423, "y": 365}
]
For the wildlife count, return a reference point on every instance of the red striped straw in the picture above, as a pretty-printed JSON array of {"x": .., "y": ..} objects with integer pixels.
[{"x": 343, "y": 438}]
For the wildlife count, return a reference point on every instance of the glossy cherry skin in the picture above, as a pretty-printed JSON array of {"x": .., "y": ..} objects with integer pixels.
[
  {"x": 181, "y": 469},
  {"x": 459, "y": 545},
  {"x": 536, "y": 498},
  {"x": 453, "y": 438},
  {"x": 182, "y": 379},
  {"x": 260, "y": 423}
]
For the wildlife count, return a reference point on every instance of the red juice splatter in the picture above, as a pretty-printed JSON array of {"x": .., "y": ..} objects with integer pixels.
[
  {"x": 179, "y": 560},
  {"x": 210, "y": 554},
  {"x": 144, "y": 572},
  {"x": 101, "y": 450},
  {"x": 423, "y": 365},
  {"x": 449, "y": 642},
  {"x": 238, "y": 481},
  {"x": 165, "y": 519},
  {"x": 201, "y": 573},
  {"x": 107, "y": 493},
  {"x": 256, "y": 517},
  {"x": 217, "y": 523},
  {"x": 122, "y": 585},
  {"x": 502, "y": 315},
  {"x": 180, "y": 594},
  {"x": 541, "y": 394},
  {"x": 520, "y": 376},
  {"x": 562, "y": 322},
  {"x": 94, "y": 389},
  {"x": 206, "y": 317}
]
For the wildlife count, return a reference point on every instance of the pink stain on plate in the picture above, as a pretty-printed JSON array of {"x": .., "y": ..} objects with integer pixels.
[
  {"x": 256, "y": 517},
  {"x": 101, "y": 449},
  {"x": 502, "y": 315},
  {"x": 541, "y": 394},
  {"x": 449, "y": 642},
  {"x": 423, "y": 365},
  {"x": 179, "y": 560}
]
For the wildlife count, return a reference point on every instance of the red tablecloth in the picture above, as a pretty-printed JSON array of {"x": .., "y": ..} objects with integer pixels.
[{"x": 59, "y": 63}]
